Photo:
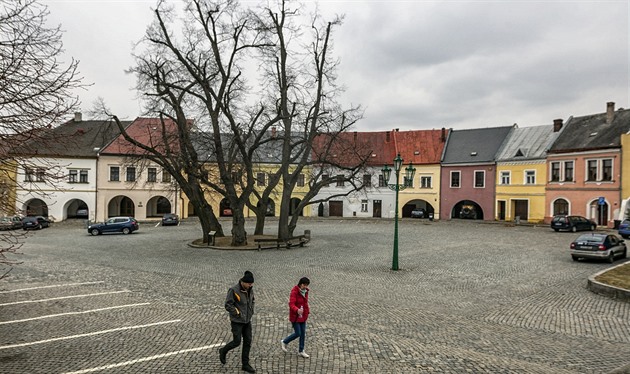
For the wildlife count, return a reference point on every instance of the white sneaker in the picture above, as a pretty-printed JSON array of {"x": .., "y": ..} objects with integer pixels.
[
  {"x": 284, "y": 346},
  {"x": 303, "y": 354}
]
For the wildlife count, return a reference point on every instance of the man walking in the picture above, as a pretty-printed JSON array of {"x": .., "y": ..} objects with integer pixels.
[{"x": 239, "y": 303}]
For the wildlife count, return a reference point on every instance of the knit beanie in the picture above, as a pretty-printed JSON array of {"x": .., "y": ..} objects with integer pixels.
[{"x": 248, "y": 277}]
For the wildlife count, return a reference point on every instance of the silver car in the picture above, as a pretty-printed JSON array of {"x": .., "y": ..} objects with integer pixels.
[{"x": 598, "y": 246}]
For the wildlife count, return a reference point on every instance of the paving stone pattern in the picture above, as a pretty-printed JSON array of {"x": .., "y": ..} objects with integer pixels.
[{"x": 470, "y": 298}]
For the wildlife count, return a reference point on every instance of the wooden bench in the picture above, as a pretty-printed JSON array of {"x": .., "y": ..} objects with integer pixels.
[{"x": 290, "y": 242}]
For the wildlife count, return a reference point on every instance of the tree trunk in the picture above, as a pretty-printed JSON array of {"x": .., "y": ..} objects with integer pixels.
[
  {"x": 283, "y": 221},
  {"x": 239, "y": 235},
  {"x": 260, "y": 221}
]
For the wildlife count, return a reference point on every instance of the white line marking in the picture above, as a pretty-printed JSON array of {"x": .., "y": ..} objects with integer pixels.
[
  {"x": 143, "y": 359},
  {"x": 62, "y": 297},
  {"x": 157, "y": 224},
  {"x": 57, "y": 285},
  {"x": 73, "y": 313},
  {"x": 88, "y": 334}
]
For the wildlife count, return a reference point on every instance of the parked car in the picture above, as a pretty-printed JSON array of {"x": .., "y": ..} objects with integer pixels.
[
  {"x": 82, "y": 213},
  {"x": 10, "y": 223},
  {"x": 418, "y": 213},
  {"x": 624, "y": 229},
  {"x": 126, "y": 225},
  {"x": 170, "y": 219},
  {"x": 572, "y": 223},
  {"x": 598, "y": 246},
  {"x": 35, "y": 223}
]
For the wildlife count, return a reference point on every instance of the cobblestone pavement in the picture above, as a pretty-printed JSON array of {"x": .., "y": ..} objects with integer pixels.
[{"x": 469, "y": 298}]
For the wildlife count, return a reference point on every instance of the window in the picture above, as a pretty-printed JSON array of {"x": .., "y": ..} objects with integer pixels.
[
  {"x": 425, "y": 182},
  {"x": 131, "y": 174},
  {"x": 300, "y": 181},
  {"x": 364, "y": 205},
  {"x": 599, "y": 170},
  {"x": 166, "y": 177},
  {"x": 260, "y": 179},
  {"x": 561, "y": 171},
  {"x": 39, "y": 175},
  {"x": 568, "y": 171},
  {"x": 381, "y": 181},
  {"x": 151, "y": 175},
  {"x": 591, "y": 173},
  {"x": 28, "y": 175},
  {"x": 530, "y": 176},
  {"x": 560, "y": 206},
  {"x": 455, "y": 179},
  {"x": 114, "y": 173},
  {"x": 83, "y": 176},
  {"x": 367, "y": 180},
  {"x": 505, "y": 177},
  {"x": 340, "y": 181},
  {"x": 480, "y": 179},
  {"x": 407, "y": 182},
  {"x": 72, "y": 176}
]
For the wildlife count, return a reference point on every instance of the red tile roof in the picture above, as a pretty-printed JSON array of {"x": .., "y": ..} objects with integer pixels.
[
  {"x": 418, "y": 147},
  {"x": 148, "y": 131}
]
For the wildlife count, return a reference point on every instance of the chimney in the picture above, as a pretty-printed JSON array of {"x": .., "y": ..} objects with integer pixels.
[
  {"x": 355, "y": 136},
  {"x": 610, "y": 112},
  {"x": 557, "y": 125},
  {"x": 77, "y": 116},
  {"x": 443, "y": 137},
  {"x": 273, "y": 132}
]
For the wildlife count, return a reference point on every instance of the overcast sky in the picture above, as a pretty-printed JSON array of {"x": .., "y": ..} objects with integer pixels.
[{"x": 413, "y": 64}]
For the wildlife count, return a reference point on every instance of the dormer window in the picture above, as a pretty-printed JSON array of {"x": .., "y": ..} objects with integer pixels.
[
  {"x": 519, "y": 153},
  {"x": 593, "y": 134},
  {"x": 473, "y": 153}
]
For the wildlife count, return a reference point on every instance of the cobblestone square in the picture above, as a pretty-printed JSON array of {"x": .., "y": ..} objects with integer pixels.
[{"x": 470, "y": 298}]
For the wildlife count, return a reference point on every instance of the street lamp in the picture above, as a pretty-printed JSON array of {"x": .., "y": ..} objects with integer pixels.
[{"x": 410, "y": 171}]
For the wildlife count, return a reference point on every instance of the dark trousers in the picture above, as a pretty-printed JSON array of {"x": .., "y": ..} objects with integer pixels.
[{"x": 239, "y": 330}]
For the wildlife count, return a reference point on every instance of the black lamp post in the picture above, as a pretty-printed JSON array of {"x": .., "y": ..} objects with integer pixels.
[{"x": 410, "y": 171}]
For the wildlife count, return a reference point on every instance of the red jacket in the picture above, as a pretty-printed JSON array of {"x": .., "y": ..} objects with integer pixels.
[{"x": 295, "y": 301}]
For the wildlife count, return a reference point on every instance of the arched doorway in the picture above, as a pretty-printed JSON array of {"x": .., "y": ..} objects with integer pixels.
[
  {"x": 417, "y": 204},
  {"x": 158, "y": 206},
  {"x": 36, "y": 207},
  {"x": 599, "y": 212},
  {"x": 76, "y": 208},
  {"x": 467, "y": 209},
  {"x": 271, "y": 208},
  {"x": 560, "y": 207},
  {"x": 121, "y": 206},
  {"x": 293, "y": 206},
  {"x": 191, "y": 210},
  {"x": 224, "y": 208},
  {"x": 320, "y": 210}
]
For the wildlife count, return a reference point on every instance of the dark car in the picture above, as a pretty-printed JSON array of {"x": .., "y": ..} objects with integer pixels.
[
  {"x": 624, "y": 229},
  {"x": 35, "y": 223},
  {"x": 10, "y": 223},
  {"x": 418, "y": 213},
  {"x": 572, "y": 223},
  {"x": 598, "y": 246},
  {"x": 170, "y": 219},
  {"x": 126, "y": 225}
]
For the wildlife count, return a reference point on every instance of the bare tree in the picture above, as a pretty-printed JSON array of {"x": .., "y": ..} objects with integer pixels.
[{"x": 35, "y": 86}]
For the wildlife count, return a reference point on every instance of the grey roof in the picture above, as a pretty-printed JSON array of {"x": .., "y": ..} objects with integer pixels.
[
  {"x": 269, "y": 152},
  {"x": 474, "y": 145},
  {"x": 72, "y": 139},
  {"x": 592, "y": 132},
  {"x": 527, "y": 143}
]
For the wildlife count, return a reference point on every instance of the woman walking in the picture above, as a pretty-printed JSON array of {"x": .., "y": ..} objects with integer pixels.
[{"x": 298, "y": 314}]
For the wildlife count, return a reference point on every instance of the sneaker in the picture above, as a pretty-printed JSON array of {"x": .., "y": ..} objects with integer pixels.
[
  {"x": 303, "y": 354},
  {"x": 283, "y": 345}
]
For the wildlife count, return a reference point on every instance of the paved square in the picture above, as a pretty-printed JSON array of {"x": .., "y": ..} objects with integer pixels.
[{"x": 470, "y": 297}]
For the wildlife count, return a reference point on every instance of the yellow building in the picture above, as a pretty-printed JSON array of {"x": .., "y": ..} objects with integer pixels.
[
  {"x": 522, "y": 173},
  {"x": 8, "y": 175}
]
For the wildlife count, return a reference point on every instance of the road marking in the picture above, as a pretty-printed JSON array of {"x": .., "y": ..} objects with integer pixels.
[
  {"x": 73, "y": 313},
  {"x": 143, "y": 359},
  {"x": 62, "y": 297},
  {"x": 157, "y": 224},
  {"x": 57, "y": 285},
  {"x": 88, "y": 334}
]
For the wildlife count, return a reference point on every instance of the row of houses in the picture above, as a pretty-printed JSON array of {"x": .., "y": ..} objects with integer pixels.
[{"x": 498, "y": 173}]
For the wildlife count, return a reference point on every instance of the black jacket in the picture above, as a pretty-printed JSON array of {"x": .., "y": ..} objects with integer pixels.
[{"x": 240, "y": 303}]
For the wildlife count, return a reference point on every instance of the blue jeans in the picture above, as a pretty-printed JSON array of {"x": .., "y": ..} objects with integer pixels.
[{"x": 299, "y": 332}]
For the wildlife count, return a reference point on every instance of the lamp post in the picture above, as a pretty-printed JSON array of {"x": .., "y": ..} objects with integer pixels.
[{"x": 410, "y": 171}]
